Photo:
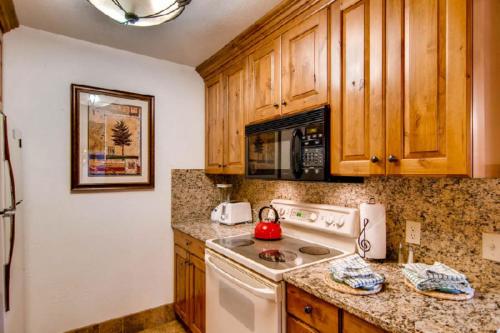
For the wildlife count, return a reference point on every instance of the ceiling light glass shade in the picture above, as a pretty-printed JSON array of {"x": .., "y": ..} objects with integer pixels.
[{"x": 141, "y": 13}]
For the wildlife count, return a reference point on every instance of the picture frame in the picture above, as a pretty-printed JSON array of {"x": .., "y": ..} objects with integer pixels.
[{"x": 112, "y": 140}]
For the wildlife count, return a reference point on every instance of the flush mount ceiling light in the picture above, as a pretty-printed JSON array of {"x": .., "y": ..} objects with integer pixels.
[{"x": 141, "y": 13}]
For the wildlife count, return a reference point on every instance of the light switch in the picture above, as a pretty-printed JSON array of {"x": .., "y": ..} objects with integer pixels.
[{"x": 491, "y": 246}]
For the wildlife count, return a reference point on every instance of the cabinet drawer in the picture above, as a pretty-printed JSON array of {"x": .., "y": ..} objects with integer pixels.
[
  {"x": 353, "y": 324},
  {"x": 296, "y": 326},
  {"x": 190, "y": 244},
  {"x": 320, "y": 315}
]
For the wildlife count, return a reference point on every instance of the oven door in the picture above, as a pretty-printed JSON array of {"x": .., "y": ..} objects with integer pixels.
[
  {"x": 239, "y": 300},
  {"x": 263, "y": 151}
]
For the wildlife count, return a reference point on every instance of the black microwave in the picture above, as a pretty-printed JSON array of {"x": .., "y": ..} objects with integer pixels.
[{"x": 296, "y": 147}]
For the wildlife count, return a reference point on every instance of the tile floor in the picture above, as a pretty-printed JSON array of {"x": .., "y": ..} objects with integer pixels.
[{"x": 170, "y": 327}]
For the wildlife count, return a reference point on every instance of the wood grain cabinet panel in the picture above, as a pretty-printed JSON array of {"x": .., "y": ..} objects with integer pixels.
[
  {"x": 214, "y": 125},
  {"x": 296, "y": 326},
  {"x": 314, "y": 312},
  {"x": 353, "y": 324},
  {"x": 304, "y": 72},
  {"x": 234, "y": 115},
  {"x": 264, "y": 82},
  {"x": 181, "y": 269},
  {"x": 189, "y": 284},
  {"x": 197, "y": 295},
  {"x": 358, "y": 128},
  {"x": 427, "y": 87}
]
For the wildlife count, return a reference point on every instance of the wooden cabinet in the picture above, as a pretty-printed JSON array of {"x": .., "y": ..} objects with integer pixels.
[
  {"x": 234, "y": 119},
  {"x": 304, "y": 56},
  {"x": 427, "y": 99},
  {"x": 308, "y": 314},
  {"x": 264, "y": 82},
  {"x": 290, "y": 74},
  {"x": 358, "y": 128},
  {"x": 214, "y": 125},
  {"x": 353, "y": 324},
  {"x": 189, "y": 269},
  {"x": 225, "y": 121},
  {"x": 425, "y": 126}
]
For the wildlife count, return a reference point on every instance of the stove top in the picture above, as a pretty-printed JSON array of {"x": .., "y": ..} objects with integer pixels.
[{"x": 283, "y": 254}]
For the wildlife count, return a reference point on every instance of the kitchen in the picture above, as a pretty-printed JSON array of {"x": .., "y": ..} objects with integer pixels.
[{"x": 216, "y": 168}]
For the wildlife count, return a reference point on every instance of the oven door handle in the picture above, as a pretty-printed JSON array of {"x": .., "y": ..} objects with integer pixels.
[{"x": 259, "y": 292}]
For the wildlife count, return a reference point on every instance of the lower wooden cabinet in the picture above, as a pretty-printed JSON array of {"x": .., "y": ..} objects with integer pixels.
[
  {"x": 308, "y": 314},
  {"x": 189, "y": 282}
]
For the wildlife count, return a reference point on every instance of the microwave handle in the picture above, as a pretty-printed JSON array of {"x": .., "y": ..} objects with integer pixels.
[{"x": 296, "y": 154}]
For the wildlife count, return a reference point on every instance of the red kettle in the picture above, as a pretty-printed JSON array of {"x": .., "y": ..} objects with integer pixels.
[{"x": 268, "y": 230}]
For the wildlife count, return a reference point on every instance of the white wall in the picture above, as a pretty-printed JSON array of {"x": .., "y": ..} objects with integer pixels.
[{"x": 92, "y": 257}]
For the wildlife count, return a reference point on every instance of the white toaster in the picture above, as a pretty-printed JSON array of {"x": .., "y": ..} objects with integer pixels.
[{"x": 232, "y": 213}]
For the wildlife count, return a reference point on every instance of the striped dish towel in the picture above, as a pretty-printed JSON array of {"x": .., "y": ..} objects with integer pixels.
[
  {"x": 355, "y": 272},
  {"x": 436, "y": 277}
]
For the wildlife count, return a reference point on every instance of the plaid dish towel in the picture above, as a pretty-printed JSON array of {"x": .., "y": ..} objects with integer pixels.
[
  {"x": 355, "y": 272},
  {"x": 436, "y": 277}
]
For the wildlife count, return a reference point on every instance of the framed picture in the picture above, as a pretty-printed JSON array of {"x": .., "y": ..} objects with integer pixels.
[{"x": 112, "y": 140}]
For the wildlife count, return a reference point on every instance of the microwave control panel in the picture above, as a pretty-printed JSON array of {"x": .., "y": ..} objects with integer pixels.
[{"x": 313, "y": 150}]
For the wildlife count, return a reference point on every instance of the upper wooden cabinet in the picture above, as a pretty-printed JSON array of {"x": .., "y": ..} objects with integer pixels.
[
  {"x": 214, "y": 125},
  {"x": 225, "y": 121},
  {"x": 304, "y": 69},
  {"x": 358, "y": 127},
  {"x": 264, "y": 82},
  {"x": 234, "y": 119},
  {"x": 427, "y": 99},
  {"x": 290, "y": 74}
]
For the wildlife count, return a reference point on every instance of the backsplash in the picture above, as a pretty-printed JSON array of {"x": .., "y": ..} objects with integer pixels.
[{"x": 454, "y": 212}]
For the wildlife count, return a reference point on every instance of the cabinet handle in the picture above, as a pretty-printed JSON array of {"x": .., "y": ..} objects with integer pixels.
[
  {"x": 308, "y": 309},
  {"x": 392, "y": 158},
  {"x": 220, "y": 165},
  {"x": 276, "y": 105},
  {"x": 374, "y": 159},
  {"x": 283, "y": 103},
  {"x": 188, "y": 242}
]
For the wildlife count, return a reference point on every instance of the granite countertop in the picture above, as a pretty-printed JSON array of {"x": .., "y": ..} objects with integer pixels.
[
  {"x": 395, "y": 309},
  {"x": 398, "y": 309},
  {"x": 203, "y": 229}
]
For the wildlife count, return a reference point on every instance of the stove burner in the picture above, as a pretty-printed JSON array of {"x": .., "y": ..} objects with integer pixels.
[
  {"x": 277, "y": 255},
  {"x": 314, "y": 250},
  {"x": 239, "y": 243}
]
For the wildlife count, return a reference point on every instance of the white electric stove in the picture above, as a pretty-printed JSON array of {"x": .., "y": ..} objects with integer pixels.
[{"x": 244, "y": 287}]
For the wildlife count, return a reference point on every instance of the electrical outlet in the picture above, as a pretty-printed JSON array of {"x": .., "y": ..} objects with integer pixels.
[
  {"x": 413, "y": 232},
  {"x": 491, "y": 246}
]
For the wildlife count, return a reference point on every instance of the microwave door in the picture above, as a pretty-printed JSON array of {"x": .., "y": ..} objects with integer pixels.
[
  {"x": 263, "y": 153},
  {"x": 291, "y": 154}
]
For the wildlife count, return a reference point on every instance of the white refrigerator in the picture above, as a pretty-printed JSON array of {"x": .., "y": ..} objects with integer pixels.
[{"x": 11, "y": 230}]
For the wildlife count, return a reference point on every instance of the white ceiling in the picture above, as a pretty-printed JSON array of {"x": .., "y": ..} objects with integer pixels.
[{"x": 202, "y": 29}]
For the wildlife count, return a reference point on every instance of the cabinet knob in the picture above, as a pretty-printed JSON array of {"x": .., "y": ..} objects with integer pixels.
[
  {"x": 392, "y": 158},
  {"x": 308, "y": 309},
  {"x": 374, "y": 159},
  {"x": 188, "y": 242},
  {"x": 220, "y": 165},
  {"x": 283, "y": 103},
  {"x": 276, "y": 105}
]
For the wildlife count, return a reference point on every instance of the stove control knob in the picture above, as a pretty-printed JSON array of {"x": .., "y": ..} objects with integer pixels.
[
  {"x": 313, "y": 217},
  {"x": 340, "y": 223},
  {"x": 282, "y": 211},
  {"x": 329, "y": 221}
]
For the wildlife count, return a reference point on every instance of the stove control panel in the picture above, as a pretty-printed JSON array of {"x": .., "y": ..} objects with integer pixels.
[{"x": 328, "y": 218}]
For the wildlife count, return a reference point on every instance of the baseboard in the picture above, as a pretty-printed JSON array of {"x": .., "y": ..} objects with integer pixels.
[{"x": 132, "y": 323}]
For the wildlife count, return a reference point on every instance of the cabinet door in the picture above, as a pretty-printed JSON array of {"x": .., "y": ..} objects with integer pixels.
[
  {"x": 358, "y": 128},
  {"x": 296, "y": 326},
  {"x": 264, "y": 82},
  {"x": 214, "y": 125},
  {"x": 353, "y": 324},
  {"x": 427, "y": 87},
  {"x": 181, "y": 271},
  {"x": 305, "y": 64},
  {"x": 197, "y": 295},
  {"x": 234, "y": 109}
]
